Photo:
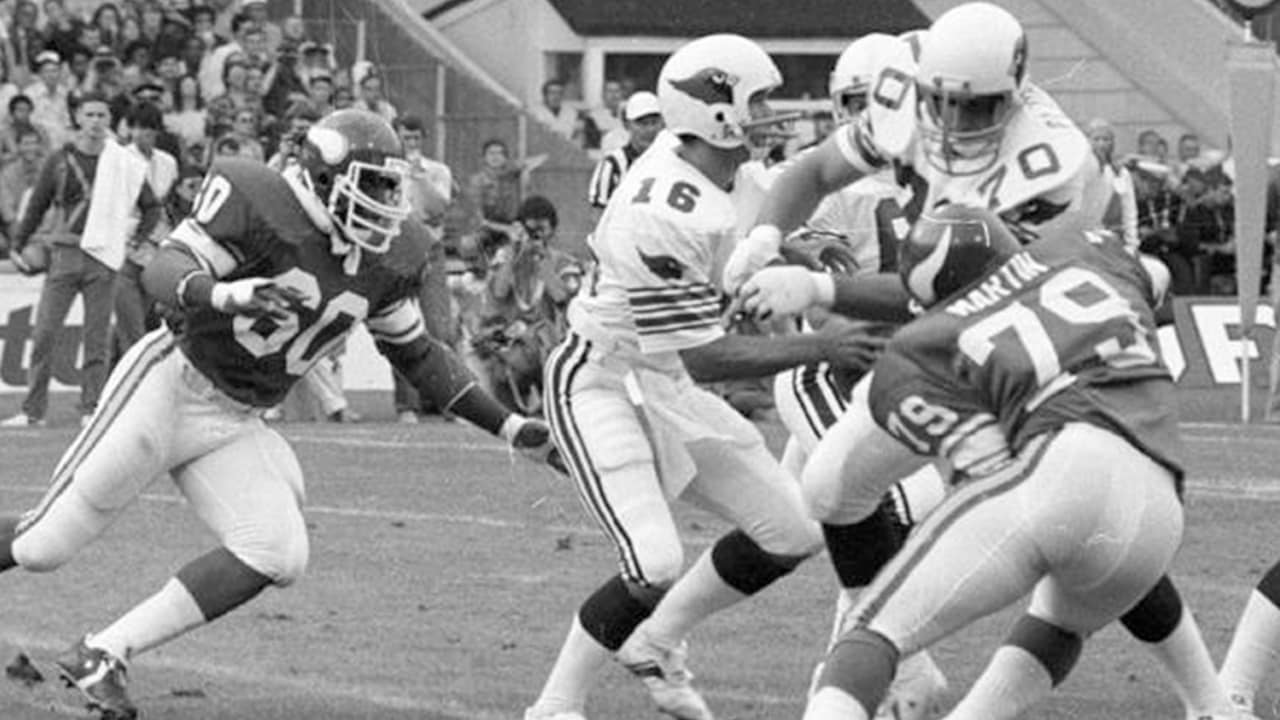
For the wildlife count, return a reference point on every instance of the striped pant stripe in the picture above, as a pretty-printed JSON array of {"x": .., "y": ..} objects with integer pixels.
[
  {"x": 563, "y": 365},
  {"x": 154, "y": 348},
  {"x": 817, "y": 396},
  {"x": 943, "y": 517}
]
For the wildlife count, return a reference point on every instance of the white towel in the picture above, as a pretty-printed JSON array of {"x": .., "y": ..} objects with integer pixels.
[{"x": 113, "y": 204}]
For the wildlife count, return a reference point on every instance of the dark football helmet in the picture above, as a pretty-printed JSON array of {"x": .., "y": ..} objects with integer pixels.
[
  {"x": 950, "y": 248},
  {"x": 355, "y": 164}
]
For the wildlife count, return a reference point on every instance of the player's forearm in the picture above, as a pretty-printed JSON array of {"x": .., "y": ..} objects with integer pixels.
[
  {"x": 880, "y": 297},
  {"x": 176, "y": 279},
  {"x": 439, "y": 375},
  {"x": 794, "y": 195},
  {"x": 733, "y": 357}
]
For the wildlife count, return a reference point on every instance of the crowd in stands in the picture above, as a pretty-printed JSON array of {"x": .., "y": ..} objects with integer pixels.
[{"x": 192, "y": 82}]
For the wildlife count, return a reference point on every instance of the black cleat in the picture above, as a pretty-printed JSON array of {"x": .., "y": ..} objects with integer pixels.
[{"x": 101, "y": 678}]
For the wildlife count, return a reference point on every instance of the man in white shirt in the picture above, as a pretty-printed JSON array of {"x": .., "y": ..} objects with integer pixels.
[
  {"x": 49, "y": 98},
  {"x": 131, "y": 304},
  {"x": 609, "y": 116},
  {"x": 553, "y": 112}
]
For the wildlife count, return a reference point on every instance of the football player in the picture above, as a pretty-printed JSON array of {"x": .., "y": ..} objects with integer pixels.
[
  {"x": 1036, "y": 377},
  {"x": 856, "y": 230},
  {"x": 623, "y": 405},
  {"x": 265, "y": 276},
  {"x": 960, "y": 125}
]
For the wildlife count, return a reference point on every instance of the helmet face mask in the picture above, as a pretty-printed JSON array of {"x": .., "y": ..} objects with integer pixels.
[
  {"x": 962, "y": 131},
  {"x": 968, "y": 80},
  {"x": 369, "y": 202}
]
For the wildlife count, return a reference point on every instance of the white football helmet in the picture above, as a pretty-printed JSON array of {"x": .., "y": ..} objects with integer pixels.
[
  {"x": 855, "y": 74},
  {"x": 967, "y": 84},
  {"x": 705, "y": 89}
]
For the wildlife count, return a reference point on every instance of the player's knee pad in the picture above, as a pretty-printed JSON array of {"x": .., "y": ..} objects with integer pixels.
[
  {"x": 1157, "y": 614},
  {"x": 747, "y": 567},
  {"x": 280, "y": 552},
  {"x": 614, "y": 610},
  {"x": 48, "y": 541},
  {"x": 1055, "y": 648},
  {"x": 858, "y": 551}
]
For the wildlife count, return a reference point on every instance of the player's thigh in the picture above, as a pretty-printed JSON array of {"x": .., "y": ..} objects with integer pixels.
[
  {"x": 973, "y": 555},
  {"x": 611, "y": 461},
  {"x": 250, "y": 493},
  {"x": 745, "y": 485},
  {"x": 126, "y": 445},
  {"x": 854, "y": 464},
  {"x": 1109, "y": 528}
]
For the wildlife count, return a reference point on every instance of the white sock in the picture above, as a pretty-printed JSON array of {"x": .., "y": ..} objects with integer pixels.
[
  {"x": 832, "y": 703},
  {"x": 575, "y": 671},
  {"x": 1012, "y": 682},
  {"x": 698, "y": 594},
  {"x": 154, "y": 621},
  {"x": 1186, "y": 660},
  {"x": 1254, "y": 648}
]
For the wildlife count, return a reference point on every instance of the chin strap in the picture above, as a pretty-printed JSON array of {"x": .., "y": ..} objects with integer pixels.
[{"x": 320, "y": 217}]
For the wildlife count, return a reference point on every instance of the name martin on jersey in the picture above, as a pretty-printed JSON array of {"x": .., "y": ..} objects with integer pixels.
[{"x": 1016, "y": 273}]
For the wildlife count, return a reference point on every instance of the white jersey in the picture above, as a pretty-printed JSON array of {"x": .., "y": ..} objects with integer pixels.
[
  {"x": 869, "y": 215},
  {"x": 1038, "y": 176},
  {"x": 660, "y": 247}
]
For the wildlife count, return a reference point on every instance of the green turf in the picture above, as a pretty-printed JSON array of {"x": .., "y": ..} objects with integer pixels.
[{"x": 443, "y": 577}]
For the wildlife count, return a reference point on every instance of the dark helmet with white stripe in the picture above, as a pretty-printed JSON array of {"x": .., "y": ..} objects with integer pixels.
[{"x": 950, "y": 248}]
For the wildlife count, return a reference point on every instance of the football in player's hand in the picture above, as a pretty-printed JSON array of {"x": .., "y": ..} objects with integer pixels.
[{"x": 33, "y": 259}]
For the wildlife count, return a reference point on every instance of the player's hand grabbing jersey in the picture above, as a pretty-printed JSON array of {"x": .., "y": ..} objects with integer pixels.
[
  {"x": 1063, "y": 332},
  {"x": 248, "y": 222},
  {"x": 659, "y": 244}
]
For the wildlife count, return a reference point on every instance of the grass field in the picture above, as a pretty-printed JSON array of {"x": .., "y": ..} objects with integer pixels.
[{"x": 443, "y": 576}]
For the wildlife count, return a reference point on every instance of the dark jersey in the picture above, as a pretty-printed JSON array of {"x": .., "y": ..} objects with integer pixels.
[
  {"x": 247, "y": 222},
  {"x": 1062, "y": 332}
]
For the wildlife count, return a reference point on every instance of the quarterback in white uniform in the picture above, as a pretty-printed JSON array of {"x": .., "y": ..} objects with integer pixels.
[
  {"x": 962, "y": 126},
  {"x": 636, "y": 430}
]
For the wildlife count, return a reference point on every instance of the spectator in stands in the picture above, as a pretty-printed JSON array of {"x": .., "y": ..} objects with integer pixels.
[
  {"x": 371, "y": 97},
  {"x": 586, "y": 135},
  {"x": 238, "y": 95},
  {"x": 137, "y": 64},
  {"x": 25, "y": 40},
  {"x": 195, "y": 55},
  {"x": 107, "y": 20},
  {"x": 553, "y": 112},
  {"x": 212, "y": 73},
  {"x": 244, "y": 128},
  {"x": 642, "y": 123},
  {"x": 343, "y": 98},
  {"x": 317, "y": 59},
  {"x": 183, "y": 195},
  {"x": 19, "y": 175},
  {"x": 530, "y": 285},
  {"x": 61, "y": 29},
  {"x": 282, "y": 86},
  {"x": 17, "y": 123},
  {"x": 169, "y": 68},
  {"x": 320, "y": 91},
  {"x": 298, "y": 119},
  {"x": 1205, "y": 227},
  {"x": 85, "y": 253},
  {"x": 608, "y": 117},
  {"x": 1112, "y": 198},
  {"x": 130, "y": 32},
  {"x": 496, "y": 191},
  {"x": 78, "y": 67},
  {"x": 224, "y": 15},
  {"x": 49, "y": 97},
  {"x": 294, "y": 29},
  {"x": 202, "y": 20},
  {"x": 257, "y": 12},
  {"x": 133, "y": 310}
]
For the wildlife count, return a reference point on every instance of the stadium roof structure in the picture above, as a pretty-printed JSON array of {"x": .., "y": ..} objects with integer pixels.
[{"x": 753, "y": 18}]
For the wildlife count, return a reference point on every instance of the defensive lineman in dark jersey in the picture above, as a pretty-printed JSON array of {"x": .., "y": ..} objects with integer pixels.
[{"x": 265, "y": 276}]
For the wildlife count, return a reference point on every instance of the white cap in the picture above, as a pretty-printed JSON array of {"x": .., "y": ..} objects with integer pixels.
[{"x": 640, "y": 104}]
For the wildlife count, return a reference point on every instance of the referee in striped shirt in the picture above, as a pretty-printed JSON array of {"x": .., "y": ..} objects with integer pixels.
[{"x": 643, "y": 121}]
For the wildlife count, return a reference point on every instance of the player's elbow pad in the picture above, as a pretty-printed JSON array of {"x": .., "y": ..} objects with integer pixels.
[{"x": 162, "y": 275}]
